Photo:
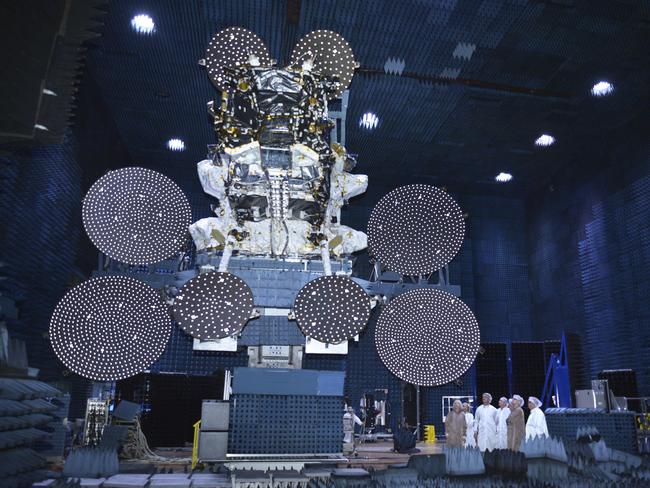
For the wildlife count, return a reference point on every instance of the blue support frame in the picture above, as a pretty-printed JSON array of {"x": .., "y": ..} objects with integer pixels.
[
  {"x": 558, "y": 383},
  {"x": 509, "y": 368}
]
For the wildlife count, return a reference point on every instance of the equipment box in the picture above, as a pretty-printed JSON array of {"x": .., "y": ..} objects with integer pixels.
[
  {"x": 215, "y": 415},
  {"x": 213, "y": 446}
]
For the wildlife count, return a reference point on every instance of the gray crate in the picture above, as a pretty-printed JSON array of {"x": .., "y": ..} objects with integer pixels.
[
  {"x": 215, "y": 415},
  {"x": 213, "y": 446}
]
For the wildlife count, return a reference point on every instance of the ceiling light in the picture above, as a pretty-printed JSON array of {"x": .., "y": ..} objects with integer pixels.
[
  {"x": 544, "y": 140},
  {"x": 143, "y": 24},
  {"x": 503, "y": 177},
  {"x": 176, "y": 145},
  {"x": 369, "y": 120},
  {"x": 602, "y": 88}
]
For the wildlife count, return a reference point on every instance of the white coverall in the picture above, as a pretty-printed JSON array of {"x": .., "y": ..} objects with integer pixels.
[
  {"x": 502, "y": 428},
  {"x": 536, "y": 424},
  {"x": 469, "y": 439},
  {"x": 486, "y": 424}
]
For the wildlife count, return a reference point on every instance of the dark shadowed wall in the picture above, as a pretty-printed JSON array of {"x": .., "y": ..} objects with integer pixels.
[{"x": 42, "y": 242}]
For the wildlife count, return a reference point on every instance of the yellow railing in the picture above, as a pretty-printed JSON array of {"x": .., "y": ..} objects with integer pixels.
[
  {"x": 430, "y": 434},
  {"x": 195, "y": 445}
]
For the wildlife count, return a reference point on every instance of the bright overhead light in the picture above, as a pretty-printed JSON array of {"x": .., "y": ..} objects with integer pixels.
[
  {"x": 176, "y": 145},
  {"x": 143, "y": 24},
  {"x": 602, "y": 88},
  {"x": 544, "y": 140},
  {"x": 503, "y": 177},
  {"x": 369, "y": 120}
]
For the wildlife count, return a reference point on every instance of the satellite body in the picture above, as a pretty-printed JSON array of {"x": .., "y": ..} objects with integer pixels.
[{"x": 279, "y": 181}]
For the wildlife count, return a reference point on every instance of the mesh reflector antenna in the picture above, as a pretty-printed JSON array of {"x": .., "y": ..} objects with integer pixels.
[
  {"x": 110, "y": 327},
  {"x": 427, "y": 337},
  {"x": 415, "y": 229},
  {"x": 136, "y": 216},
  {"x": 331, "y": 309},
  {"x": 331, "y": 54},
  {"x": 213, "y": 305},
  {"x": 230, "y": 48}
]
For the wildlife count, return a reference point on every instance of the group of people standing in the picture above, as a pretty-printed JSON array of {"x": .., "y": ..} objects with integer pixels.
[{"x": 494, "y": 428}]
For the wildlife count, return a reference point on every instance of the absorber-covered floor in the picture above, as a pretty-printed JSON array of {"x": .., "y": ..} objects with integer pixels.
[{"x": 541, "y": 463}]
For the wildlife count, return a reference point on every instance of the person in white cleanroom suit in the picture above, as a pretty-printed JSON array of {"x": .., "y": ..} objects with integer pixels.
[
  {"x": 502, "y": 427},
  {"x": 536, "y": 424},
  {"x": 486, "y": 424},
  {"x": 349, "y": 419},
  {"x": 470, "y": 440}
]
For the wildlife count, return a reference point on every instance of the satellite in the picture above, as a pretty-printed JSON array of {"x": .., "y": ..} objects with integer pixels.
[
  {"x": 280, "y": 179},
  {"x": 279, "y": 182}
]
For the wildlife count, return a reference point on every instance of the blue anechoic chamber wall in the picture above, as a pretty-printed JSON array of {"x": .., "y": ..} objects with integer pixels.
[
  {"x": 589, "y": 252},
  {"x": 38, "y": 237},
  {"x": 614, "y": 258},
  {"x": 498, "y": 276}
]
